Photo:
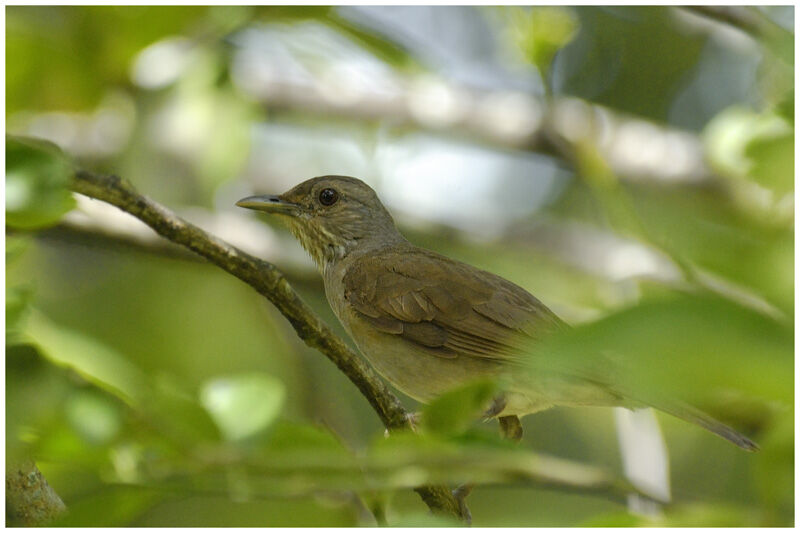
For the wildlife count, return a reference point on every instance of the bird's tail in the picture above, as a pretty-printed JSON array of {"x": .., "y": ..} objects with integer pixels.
[{"x": 695, "y": 416}]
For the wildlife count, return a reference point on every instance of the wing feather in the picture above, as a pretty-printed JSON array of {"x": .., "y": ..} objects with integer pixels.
[{"x": 446, "y": 307}]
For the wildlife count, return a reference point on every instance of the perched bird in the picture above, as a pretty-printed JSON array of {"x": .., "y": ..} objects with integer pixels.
[{"x": 428, "y": 323}]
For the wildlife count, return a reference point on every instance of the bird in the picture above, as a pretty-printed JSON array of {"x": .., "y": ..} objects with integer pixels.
[{"x": 428, "y": 323}]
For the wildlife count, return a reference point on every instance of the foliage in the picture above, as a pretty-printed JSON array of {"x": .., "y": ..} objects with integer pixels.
[
  {"x": 37, "y": 174},
  {"x": 154, "y": 390}
]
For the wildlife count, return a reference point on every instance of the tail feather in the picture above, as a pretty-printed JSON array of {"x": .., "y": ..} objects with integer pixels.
[{"x": 696, "y": 416}]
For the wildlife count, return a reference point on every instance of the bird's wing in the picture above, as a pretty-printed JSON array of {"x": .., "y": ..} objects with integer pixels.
[{"x": 446, "y": 307}]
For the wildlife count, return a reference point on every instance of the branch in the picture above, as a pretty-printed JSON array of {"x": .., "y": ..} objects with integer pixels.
[
  {"x": 270, "y": 283},
  {"x": 743, "y": 18},
  {"x": 30, "y": 501}
]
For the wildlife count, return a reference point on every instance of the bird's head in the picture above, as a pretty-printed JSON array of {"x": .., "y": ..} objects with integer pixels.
[{"x": 331, "y": 216}]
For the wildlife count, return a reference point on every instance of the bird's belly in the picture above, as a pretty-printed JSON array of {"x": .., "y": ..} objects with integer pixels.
[{"x": 528, "y": 393}]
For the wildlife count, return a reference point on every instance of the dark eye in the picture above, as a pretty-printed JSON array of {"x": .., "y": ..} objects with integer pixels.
[{"x": 328, "y": 196}]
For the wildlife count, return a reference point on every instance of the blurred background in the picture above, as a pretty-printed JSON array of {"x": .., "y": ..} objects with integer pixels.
[{"x": 633, "y": 167}]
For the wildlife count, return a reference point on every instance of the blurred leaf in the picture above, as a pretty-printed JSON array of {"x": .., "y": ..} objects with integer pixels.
[
  {"x": 425, "y": 520},
  {"x": 683, "y": 515},
  {"x": 94, "y": 416},
  {"x": 772, "y": 162},
  {"x": 96, "y": 362},
  {"x": 454, "y": 411},
  {"x": 243, "y": 406},
  {"x": 760, "y": 146},
  {"x": 707, "y": 515},
  {"x": 774, "y": 466},
  {"x": 17, "y": 306},
  {"x": 622, "y": 519},
  {"x": 111, "y": 507},
  {"x": 178, "y": 414},
  {"x": 37, "y": 181},
  {"x": 705, "y": 227},
  {"x": 540, "y": 32},
  {"x": 408, "y": 459},
  {"x": 295, "y": 436},
  {"x": 632, "y": 58},
  {"x": 785, "y": 108},
  {"x": 62, "y": 443},
  {"x": 687, "y": 346},
  {"x": 692, "y": 515},
  {"x": 83, "y": 50},
  {"x": 16, "y": 245}
]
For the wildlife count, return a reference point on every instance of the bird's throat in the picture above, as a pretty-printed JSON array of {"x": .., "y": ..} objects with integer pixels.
[{"x": 324, "y": 247}]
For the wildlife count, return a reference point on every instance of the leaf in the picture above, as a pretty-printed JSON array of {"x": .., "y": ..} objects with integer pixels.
[
  {"x": 425, "y": 520},
  {"x": 407, "y": 460},
  {"x": 174, "y": 413},
  {"x": 683, "y": 346},
  {"x": 96, "y": 362},
  {"x": 785, "y": 107},
  {"x": 758, "y": 146},
  {"x": 711, "y": 231},
  {"x": 37, "y": 181},
  {"x": 295, "y": 436},
  {"x": 540, "y": 32},
  {"x": 111, "y": 507},
  {"x": 17, "y": 307},
  {"x": 454, "y": 411},
  {"x": 774, "y": 466},
  {"x": 84, "y": 50},
  {"x": 16, "y": 246},
  {"x": 243, "y": 406},
  {"x": 616, "y": 519},
  {"x": 94, "y": 416},
  {"x": 772, "y": 161}
]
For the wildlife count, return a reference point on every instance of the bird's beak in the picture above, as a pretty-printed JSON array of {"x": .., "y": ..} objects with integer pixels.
[{"x": 269, "y": 204}]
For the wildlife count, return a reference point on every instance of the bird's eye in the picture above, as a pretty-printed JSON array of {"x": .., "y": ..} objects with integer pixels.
[{"x": 328, "y": 197}]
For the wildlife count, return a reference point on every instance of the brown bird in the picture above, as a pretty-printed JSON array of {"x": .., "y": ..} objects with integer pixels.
[{"x": 428, "y": 323}]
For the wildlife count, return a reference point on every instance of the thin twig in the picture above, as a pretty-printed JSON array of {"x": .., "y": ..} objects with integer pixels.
[{"x": 269, "y": 282}]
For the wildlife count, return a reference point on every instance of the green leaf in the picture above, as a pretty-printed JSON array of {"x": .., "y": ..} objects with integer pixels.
[
  {"x": 16, "y": 246},
  {"x": 17, "y": 307},
  {"x": 742, "y": 143},
  {"x": 293, "y": 436},
  {"x": 616, "y": 519},
  {"x": 774, "y": 466},
  {"x": 37, "y": 183},
  {"x": 243, "y": 406},
  {"x": 407, "y": 459},
  {"x": 785, "y": 108},
  {"x": 172, "y": 411},
  {"x": 540, "y": 32},
  {"x": 710, "y": 230},
  {"x": 772, "y": 161},
  {"x": 85, "y": 50},
  {"x": 177, "y": 413},
  {"x": 685, "y": 346},
  {"x": 111, "y": 507},
  {"x": 94, "y": 416},
  {"x": 96, "y": 362},
  {"x": 454, "y": 411},
  {"x": 425, "y": 520}
]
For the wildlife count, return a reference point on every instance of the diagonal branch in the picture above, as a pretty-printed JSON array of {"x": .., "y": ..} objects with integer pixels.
[
  {"x": 746, "y": 19},
  {"x": 30, "y": 501},
  {"x": 269, "y": 282}
]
